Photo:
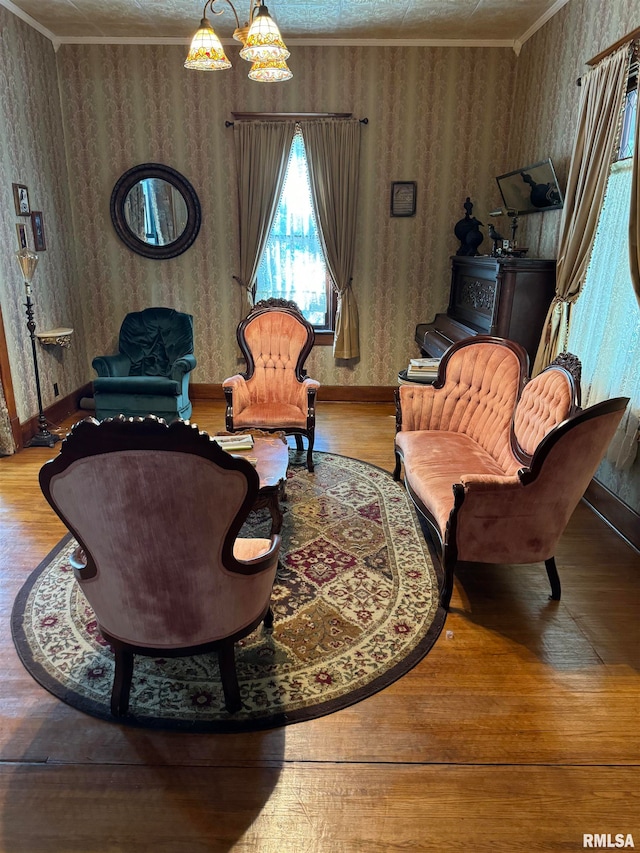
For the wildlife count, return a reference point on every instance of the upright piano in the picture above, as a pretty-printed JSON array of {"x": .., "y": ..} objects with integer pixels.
[{"x": 505, "y": 296}]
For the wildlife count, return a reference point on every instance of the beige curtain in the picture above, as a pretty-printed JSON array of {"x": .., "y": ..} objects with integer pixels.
[
  {"x": 7, "y": 444},
  {"x": 262, "y": 154},
  {"x": 600, "y": 108},
  {"x": 333, "y": 155},
  {"x": 134, "y": 211},
  {"x": 634, "y": 213}
]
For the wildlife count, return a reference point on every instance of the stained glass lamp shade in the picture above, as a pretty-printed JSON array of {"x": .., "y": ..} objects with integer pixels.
[
  {"x": 206, "y": 52},
  {"x": 272, "y": 71},
  {"x": 264, "y": 42}
]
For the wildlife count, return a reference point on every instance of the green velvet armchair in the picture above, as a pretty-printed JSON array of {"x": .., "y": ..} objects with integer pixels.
[{"x": 150, "y": 374}]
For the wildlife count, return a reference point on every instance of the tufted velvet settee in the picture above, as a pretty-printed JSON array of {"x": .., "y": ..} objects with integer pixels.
[{"x": 497, "y": 464}]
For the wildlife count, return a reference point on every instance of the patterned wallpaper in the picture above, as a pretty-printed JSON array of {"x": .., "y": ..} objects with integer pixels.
[
  {"x": 432, "y": 118},
  {"x": 32, "y": 152},
  {"x": 449, "y": 118}
]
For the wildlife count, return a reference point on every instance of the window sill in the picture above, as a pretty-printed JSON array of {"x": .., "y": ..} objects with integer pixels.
[{"x": 324, "y": 339}]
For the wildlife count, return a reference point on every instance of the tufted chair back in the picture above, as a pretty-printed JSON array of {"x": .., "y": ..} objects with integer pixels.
[
  {"x": 547, "y": 400},
  {"x": 277, "y": 343},
  {"x": 480, "y": 378}
]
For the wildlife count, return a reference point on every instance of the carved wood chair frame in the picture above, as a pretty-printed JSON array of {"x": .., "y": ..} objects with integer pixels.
[{"x": 90, "y": 438}]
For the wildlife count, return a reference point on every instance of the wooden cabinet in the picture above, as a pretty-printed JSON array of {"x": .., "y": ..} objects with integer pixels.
[{"x": 508, "y": 297}]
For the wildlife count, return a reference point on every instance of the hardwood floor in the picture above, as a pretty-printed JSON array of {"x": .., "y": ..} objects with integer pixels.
[{"x": 518, "y": 732}]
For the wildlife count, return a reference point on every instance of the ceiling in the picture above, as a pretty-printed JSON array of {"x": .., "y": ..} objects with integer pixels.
[{"x": 489, "y": 22}]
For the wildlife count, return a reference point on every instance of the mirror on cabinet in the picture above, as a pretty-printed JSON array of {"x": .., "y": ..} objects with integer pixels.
[{"x": 155, "y": 211}]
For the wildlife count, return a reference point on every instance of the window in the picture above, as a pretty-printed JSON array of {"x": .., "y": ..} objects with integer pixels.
[
  {"x": 628, "y": 122},
  {"x": 605, "y": 321},
  {"x": 293, "y": 265}
]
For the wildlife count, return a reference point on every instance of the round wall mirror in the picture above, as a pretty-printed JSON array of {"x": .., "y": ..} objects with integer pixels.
[{"x": 155, "y": 211}]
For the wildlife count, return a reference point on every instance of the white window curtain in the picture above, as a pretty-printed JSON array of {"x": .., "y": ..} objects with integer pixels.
[
  {"x": 601, "y": 99},
  {"x": 605, "y": 322}
]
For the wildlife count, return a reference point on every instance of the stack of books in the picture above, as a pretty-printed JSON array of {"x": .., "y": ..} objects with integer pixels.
[
  {"x": 231, "y": 443},
  {"x": 423, "y": 369}
]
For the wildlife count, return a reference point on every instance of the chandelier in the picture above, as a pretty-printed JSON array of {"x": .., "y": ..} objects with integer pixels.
[{"x": 262, "y": 44}]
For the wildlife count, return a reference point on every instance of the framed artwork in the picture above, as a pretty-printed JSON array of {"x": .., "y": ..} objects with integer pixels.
[
  {"x": 21, "y": 200},
  {"x": 403, "y": 198},
  {"x": 22, "y": 235},
  {"x": 37, "y": 224}
]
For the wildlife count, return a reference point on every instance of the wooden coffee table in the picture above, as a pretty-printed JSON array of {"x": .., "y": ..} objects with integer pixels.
[{"x": 272, "y": 454}]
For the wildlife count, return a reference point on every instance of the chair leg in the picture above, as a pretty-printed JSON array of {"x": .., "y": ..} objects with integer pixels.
[
  {"x": 396, "y": 470},
  {"x": 554, "y": 578},
  {"x": 268, "y": 619},
  {"x": 299, "y": 445},
  {"x": 311, "y": 438},
  {"x": 121, "y": 681},
  {"x": 229, "y": 677},
  {"x": 447, "y": 586}
]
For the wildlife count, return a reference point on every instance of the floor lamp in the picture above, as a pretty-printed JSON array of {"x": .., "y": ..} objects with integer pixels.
[{"x": 28, "y": 261}]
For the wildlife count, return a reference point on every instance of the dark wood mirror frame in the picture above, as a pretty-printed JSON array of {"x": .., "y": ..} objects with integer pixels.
[{"x": 119, "y": 195}]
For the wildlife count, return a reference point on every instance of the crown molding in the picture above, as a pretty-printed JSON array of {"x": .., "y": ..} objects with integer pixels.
[
  {"x": 31, "y": 21},
  {"x": 508, "y": 43},
  {"x": 513, "y": 44},
  {"x": 542, "y": 20}
]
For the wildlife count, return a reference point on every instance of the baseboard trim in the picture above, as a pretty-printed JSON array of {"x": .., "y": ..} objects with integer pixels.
[
  {"x": 356, "y": 393},
  {"x": 619, "y": 515},
  {"x": 57, "y": 412},
  {"x": 205, "y": 391},
  {"x": 327, "y": 393},
  {"x": 16, "y": 432}
]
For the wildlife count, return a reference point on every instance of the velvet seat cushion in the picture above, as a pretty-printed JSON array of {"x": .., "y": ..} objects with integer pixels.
[
  {"x": 436, "y": 459},
  {"x": 266, "y": 414},
  {"x": 249, "y": 549},
  {"x": 156, "y": 385}
]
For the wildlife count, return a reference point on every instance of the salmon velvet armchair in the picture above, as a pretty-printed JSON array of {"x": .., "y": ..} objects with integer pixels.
[
  {"x": 495, "y": 464},
  {"x": 156, "y": 510},
  {"x": 274, "y": 392},
  {"x": 150, "y": 374}
]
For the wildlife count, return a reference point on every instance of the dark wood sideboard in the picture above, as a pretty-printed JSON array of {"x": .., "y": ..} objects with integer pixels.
[{"x": 508, "y": 297}]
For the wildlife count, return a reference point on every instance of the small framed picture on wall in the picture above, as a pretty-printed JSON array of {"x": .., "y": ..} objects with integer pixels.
[
  {"x": 37, "y": 224},
  {"x": 22, "y": 235},
  {"x": 21, "y": 200},
  {"x": 403, "y": 198}
]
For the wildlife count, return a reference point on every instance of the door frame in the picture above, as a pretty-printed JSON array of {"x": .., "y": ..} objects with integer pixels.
[{"x": 7, "y": 386}]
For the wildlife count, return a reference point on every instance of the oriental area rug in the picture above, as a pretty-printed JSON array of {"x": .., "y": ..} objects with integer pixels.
[{"x": 355, "y": 603}]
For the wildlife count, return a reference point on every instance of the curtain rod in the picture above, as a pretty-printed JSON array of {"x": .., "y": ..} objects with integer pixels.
[
  {"x": 634, "y": 34},
  {"x": 288, "y": 117},
  {"x": 632, "y": 38}
]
